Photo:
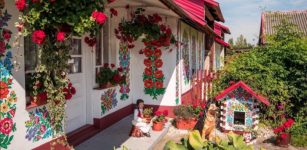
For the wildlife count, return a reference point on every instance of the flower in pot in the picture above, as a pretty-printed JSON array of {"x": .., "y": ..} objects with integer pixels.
[
  {"x": 183, "y": 116},
  {"x": 37, "y": 90},
  {"x": 105, "y": 76},
  {"x": 158, "y": 122},
  {"x": 283, "y": 135},
  {"x": 147, "y": 113}
]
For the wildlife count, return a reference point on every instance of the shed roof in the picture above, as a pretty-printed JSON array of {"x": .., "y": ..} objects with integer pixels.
[{"x": 246, "y": 88}]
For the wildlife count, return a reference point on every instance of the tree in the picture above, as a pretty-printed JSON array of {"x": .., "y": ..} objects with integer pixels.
[{"x": 276, "y": 70}]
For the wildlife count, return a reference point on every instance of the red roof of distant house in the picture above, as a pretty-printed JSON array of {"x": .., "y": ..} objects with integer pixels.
[
  {"x": 194, "y": 8},
  {"x": 220, "y": 41},
  {"x": 245, "y": 87}
]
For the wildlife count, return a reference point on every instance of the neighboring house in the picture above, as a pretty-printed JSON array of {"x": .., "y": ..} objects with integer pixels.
[
  {"x": 274, "y": 18},
  {"x": 191, "y": 21}
]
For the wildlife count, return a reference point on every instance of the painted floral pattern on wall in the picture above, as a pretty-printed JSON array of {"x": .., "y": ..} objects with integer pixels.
[
  {"x": 38, "y": 127},
  {"x": 241, "y": 101},
  {"x": 8, "y": 97},
  {"x": 124, "y": 62},
  {"x": 186, "y": 58},
  {"x": 108, "y": 100}
]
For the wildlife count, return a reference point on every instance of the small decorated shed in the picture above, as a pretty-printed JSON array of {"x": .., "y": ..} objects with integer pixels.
[{"x": 239, "y": 107}]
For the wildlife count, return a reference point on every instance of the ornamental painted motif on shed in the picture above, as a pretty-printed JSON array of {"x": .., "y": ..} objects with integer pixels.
[{"x": 8, "y": 97}]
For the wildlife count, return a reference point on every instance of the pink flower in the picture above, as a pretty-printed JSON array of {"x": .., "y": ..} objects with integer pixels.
[
  {"x": 20, "y": 4},
  {"x": 38, "y": 37},
  {"x": 99, "y": 17},
  {"x": 6, "y": 126},
  {"x": 113, "y": 12},
  {"x": 60, "y": 36},
  {"x": 43, "y": 129}
]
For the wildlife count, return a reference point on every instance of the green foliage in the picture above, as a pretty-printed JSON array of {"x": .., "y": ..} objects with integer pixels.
[
  {"x": 105, "y": 75},
  {"x": 183, "y": 111},
  {"x": 195, "y": 142},
  {"x": 276, "y": 70},
  {"x": 299, "y": 132}
]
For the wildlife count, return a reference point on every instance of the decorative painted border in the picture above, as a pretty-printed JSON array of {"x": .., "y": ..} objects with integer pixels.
[
  {"x": 108, "y": 100},
  {"x": 124, "y": 62},
  {"x": 8, "y": 97},
  {"x": 39, "y": 126}
]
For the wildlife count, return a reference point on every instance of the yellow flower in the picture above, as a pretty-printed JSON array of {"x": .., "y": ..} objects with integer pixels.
[
  {"x": 11, "y": 99},
  {"x": 4, "y": 108}
]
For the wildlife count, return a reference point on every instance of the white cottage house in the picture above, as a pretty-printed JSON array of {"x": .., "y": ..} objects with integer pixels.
[{"x": 194, "y": 24}]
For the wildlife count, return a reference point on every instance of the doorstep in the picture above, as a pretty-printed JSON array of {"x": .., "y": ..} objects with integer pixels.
[{"x": 117, "y": 136}]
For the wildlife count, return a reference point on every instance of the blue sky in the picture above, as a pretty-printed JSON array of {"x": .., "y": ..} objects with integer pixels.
[{"x": 243, "y": 16}]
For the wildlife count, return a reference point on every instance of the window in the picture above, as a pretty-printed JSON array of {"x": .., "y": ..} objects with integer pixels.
[
  {"x": 194, "y": 51},
  {"x": 75, "y": 63},
  {"x": 239, "y": 118}
]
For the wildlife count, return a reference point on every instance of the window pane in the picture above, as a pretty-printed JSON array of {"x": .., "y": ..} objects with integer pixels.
[
  {"x": 239, "y": 118},
  {"x": 76, "y": 47},
  {"x": 106, "y": 42},
  {"x": 75, "y": 65},
  {"x": 31, "y": 54}
]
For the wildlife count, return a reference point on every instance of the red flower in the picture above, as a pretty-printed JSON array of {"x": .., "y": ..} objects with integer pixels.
[
  {"x": 2, "y": 47},
  {"x": 112, "y": 65},
  {"x": 158, "y": 113},
  {"x": 60, "y": 36},
  {"x": 165, "y": 112},
  {"x": 117, "y": 78},
  {"x": 159, "y": 84},
  {"x": 111, "y": 1},
  {"x": 195, "y": 105},
  {"x": 148, "y": 52},
  {"x": 12, "y": 112},
  {"x": 147, "y": 62},
  {"x": 148, "y": 83},
  {"x": 120, "y": 69},
  {"x": 148, "y": 71},
  {"x": 278, "y": 129},
  {"x": 141, "y": 52},
  {"x": 288, "y": 123},
  {"x": 202, "y": 105},
  {"x": 35, "y": 1},
  {"x": 43, "y": 129},
  {"x": 68, "y": 96},
  {"x": 168, "y": 31},
  {"x": 157, "y": 53},
  {"x": 113, "y": 12},
  {"x": 73, "y": 90},
  {"x": 6, "y": 34},
  {"x": 38, "y": 37},
  {"x": 201, "y": 113},
  {"x": 130, "y": 46},
  {"x": 158, "y": 63},
  {"x": 20, "y": 4},
  {"x": 284, "y": 135},
  {"x": 156, "y": 18},
  {"x": 158, "y": 74},
  {"x": 162, "y": 27},
  {"x": 4, "y": 91},
  {"x": 99, "y": 17},
  {"x": 42, "y": 96},
  {"x": 106, "y": 65},
  {"x": 6, "y": 126}
]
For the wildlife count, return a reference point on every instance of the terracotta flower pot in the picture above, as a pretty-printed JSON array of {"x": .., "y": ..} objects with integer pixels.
[
  {"x": 148, "y": 118},
  {"x": 192, "y": 123},
  {"x": 157, "y": 126},
  {"x": 182, "y": 123},
  {"x": 283, "y": 139}
]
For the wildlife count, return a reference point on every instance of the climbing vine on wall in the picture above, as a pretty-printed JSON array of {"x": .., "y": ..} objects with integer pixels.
[
  {"x": 8, "y": 97},
  {"x": 154, "y": 35},
  {"x": 38, "y": 127},
  {"x": 124, "y": 62},
  {"x": 108, "y": 100}
]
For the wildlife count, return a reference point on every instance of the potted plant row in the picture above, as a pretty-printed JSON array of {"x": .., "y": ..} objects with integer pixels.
[
  {"x": 188, "y": 115},
  {"x": 160, "y": 120},
  {"x": 109, "y": 76}
]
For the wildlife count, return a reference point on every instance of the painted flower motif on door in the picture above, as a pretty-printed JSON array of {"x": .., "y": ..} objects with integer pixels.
[
  {"x": 186, "y": 58},
  {"x": 38, "y": 127},
  {"x": 108, "y": 100},
  {"x": 124, "y": 62},
  {"x": 8, "y": 97}
]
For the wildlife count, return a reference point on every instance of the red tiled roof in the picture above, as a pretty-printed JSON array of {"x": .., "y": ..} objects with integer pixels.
[
  {"x": 245, "y": 87},
  {"x": 194, "y": 8}
]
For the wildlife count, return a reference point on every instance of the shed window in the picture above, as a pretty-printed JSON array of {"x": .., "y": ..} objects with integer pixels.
[{"x": 239, "y": 118}]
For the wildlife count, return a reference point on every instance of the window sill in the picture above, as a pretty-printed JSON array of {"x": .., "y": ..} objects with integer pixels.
[
  {"x": 34, "y": 105},
  {"x": 99, "y": 88}
]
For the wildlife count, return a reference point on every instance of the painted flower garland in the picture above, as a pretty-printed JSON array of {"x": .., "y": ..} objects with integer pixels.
[
  {"x": 154, "y": 36},
  {"x": 8, "y": 97},
  {"x": 124, "y": 62}
]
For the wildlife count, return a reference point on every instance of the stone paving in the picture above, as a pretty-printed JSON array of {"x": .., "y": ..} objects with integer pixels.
[{"x": 117, "y": 136}]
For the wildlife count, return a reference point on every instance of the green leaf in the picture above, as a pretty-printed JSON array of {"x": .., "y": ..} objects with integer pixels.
[
  {"x": 195, "y": 140},
  {"x": 171, "y": 145}
]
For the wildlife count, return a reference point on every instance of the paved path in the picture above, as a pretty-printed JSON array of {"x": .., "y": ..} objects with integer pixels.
[{"x": 118, "y": 135}]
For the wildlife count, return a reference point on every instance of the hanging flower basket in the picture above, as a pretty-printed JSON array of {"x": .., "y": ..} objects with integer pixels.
[{"x": 40, "y": 99}]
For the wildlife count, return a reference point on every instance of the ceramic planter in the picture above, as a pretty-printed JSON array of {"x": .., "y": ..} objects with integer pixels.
[
  {"x": 157, "y": 126},
  {"x": 283, "y": 139}
]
